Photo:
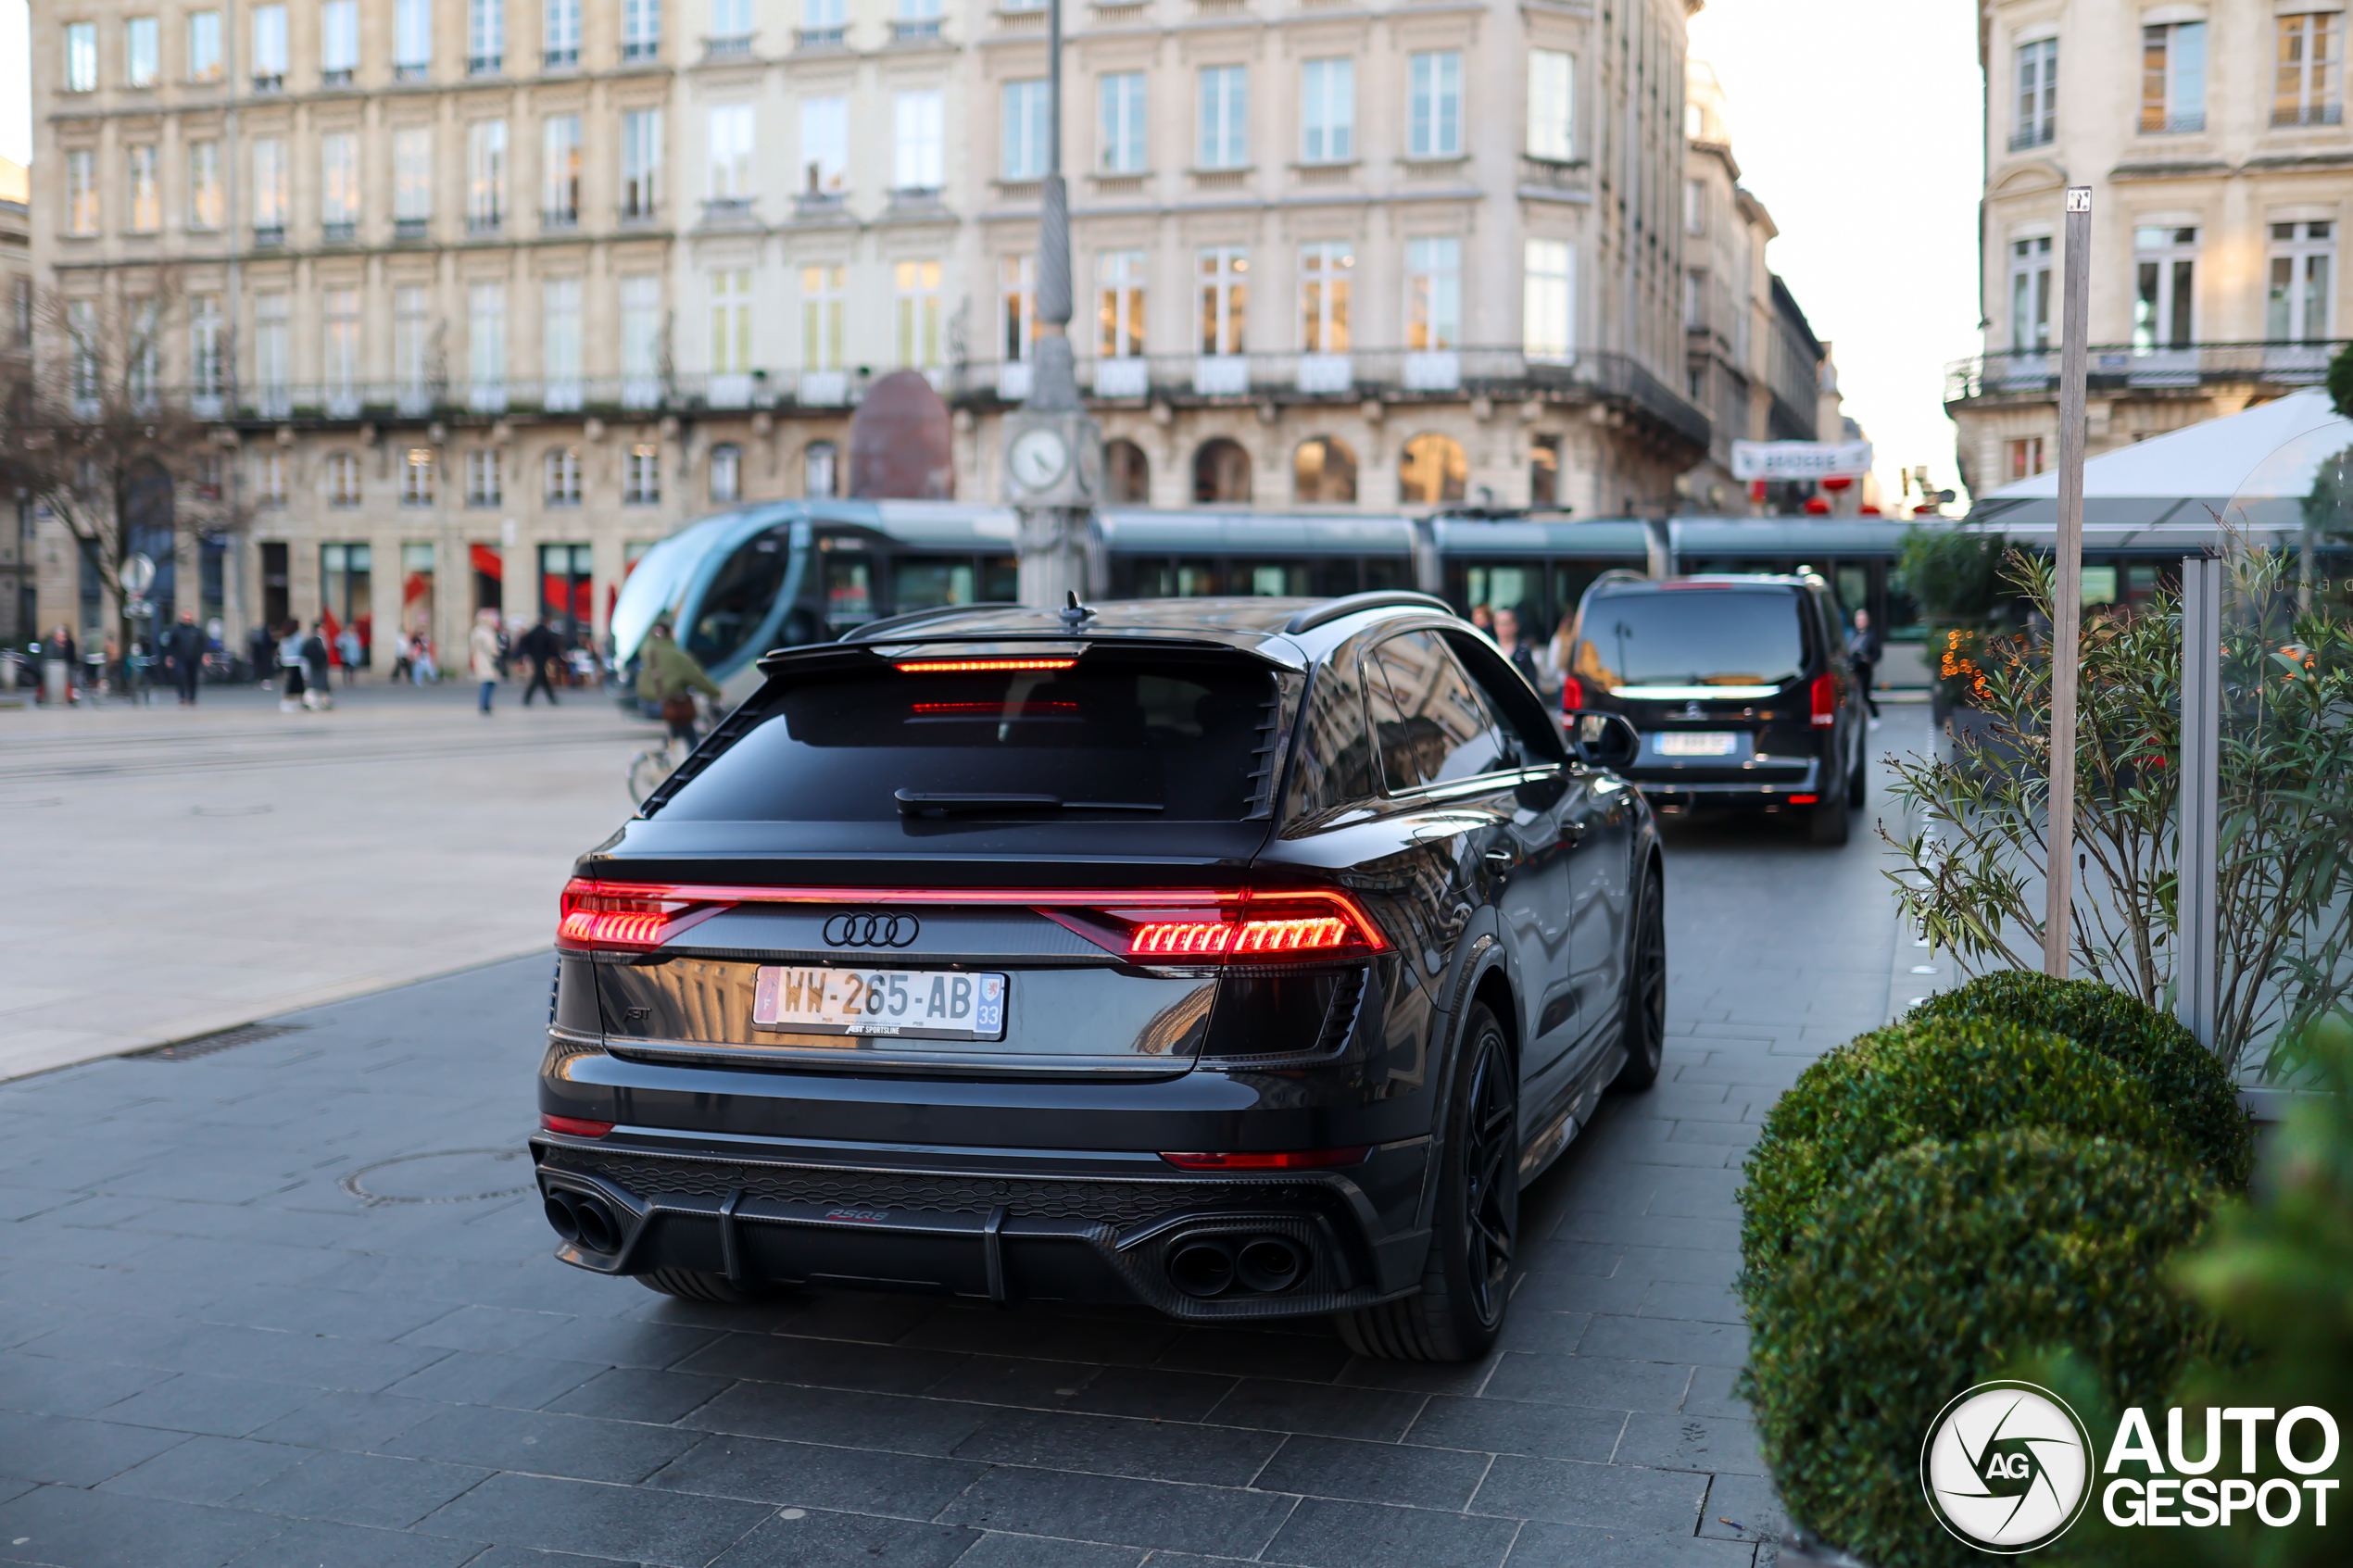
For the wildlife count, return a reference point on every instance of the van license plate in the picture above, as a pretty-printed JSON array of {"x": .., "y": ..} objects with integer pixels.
[
  {"x": 917, "y": 1003},
  {"x": 1704, "y": 743}
]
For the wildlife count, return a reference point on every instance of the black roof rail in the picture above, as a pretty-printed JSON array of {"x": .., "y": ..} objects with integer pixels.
[
  {"x": 915, "y": 618},
  {"x": 1388, "y": 599}
]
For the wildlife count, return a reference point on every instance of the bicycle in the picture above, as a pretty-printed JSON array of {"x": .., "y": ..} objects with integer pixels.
[{"x": 649, "y": 767}]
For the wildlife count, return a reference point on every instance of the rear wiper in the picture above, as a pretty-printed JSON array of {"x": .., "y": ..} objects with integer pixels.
[{"x": 916, "y": 803}]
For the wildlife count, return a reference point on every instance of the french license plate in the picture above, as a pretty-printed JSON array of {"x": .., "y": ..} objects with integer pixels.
[
  {"x": 918, "y": 1004},
  {"x": 1699, "y": 743}
]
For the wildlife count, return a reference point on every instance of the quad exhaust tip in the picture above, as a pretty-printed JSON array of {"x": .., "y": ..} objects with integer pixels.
[
  {"x": 585, "y": 1221},
  {"x": 1203, "y": 1266}
]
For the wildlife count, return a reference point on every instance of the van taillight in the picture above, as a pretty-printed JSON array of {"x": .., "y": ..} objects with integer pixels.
[
  {"x": 1245, "y": 926},
  {"x": 1572, "y": 694},
  {"x": 1825, "y": 696},
  {"x": 616, "y": 917}
]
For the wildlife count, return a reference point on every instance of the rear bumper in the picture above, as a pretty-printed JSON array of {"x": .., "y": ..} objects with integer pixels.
[
  {"x": 1669, "y": 787},
  {"x": 1097, "y": 1229}
]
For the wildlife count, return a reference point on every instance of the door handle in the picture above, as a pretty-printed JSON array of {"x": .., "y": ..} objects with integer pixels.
[
  {"x": 1502, "y": 860},
  {"x": 1575, "y": 832}
]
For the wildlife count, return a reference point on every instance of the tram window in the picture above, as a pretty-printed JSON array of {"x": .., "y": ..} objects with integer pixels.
[
  {"x": 739, "y": 598},
  {"x": 2099, "y": 585},
  {"x": 1380, "y": 574},
  {"x": 850, "y": 592},
  {"x": 1516, "y": 588},
  {"x": 920, "y": 583},
  {"x": 999, "y": 579},
  {"x": 2143, "y": 582},
  {"x": 1197, "y": 579},
  {"x": 1854, "y": 591}
]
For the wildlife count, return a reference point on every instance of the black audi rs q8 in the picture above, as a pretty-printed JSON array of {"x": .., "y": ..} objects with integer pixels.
[{"x": 1237, "y": 957}]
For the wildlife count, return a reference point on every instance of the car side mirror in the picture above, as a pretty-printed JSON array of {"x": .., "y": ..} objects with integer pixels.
[{"x": 1603, "y": 740}]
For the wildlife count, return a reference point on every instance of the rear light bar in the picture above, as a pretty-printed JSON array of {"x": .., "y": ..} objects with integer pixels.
[
  {"x": 977, "y": 666},
  {"x": 1825, "y": 696},
  {"x": 1163, "y": 926},
  {"x": 578, "y": 1127},
  {"x": 1297, "y": 1160}
]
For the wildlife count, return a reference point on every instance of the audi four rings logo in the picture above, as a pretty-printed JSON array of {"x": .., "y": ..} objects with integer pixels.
[{"x": 870, "y": 930}]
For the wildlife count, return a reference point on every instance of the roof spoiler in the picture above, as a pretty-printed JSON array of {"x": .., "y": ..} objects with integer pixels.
[{"x": 1334, "y": 610}]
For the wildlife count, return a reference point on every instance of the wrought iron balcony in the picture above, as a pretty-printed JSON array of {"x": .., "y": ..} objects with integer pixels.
[{"x": 2033, "y": 374}]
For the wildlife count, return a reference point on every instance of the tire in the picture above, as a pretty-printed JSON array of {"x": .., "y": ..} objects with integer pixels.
[
  {"x": 689, "y": 1285},
  {"x": 1466, "y": 1281},
  {"x": 1644, "y": 1027},
  {"x": 1858, "y": 784},
  {"x": 1825, "y": 824}
]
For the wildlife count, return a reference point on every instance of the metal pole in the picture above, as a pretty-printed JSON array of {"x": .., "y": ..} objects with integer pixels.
[
  {"x": 2198, "y": 849},
  {"x": 2066, "y": 613},
  {"x": 1051, "y": 540}
]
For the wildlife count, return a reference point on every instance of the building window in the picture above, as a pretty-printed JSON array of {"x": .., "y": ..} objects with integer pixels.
[
  {"x": 339, "y": 356},
  {"x": 2037, "y": 94},
  {"x": 2305, "y": 90},
  {"x": 730, "y": 27},
  {"x": 917, "y": 285},
  {"x": 1324, "y": 472},
  {"x": 822, "y": 24},
  {"x": 1119, "y": 309},
  {"x": 731, "y": 321},
  {"x": 917, "y": 152},
  {"x": 1548, "y": 311},
  {"x": 273, "y": 367},
  {"x": 641, "y": 478},
  {"x": 485, "y": 176},
  {"x": 560, "y": 36},
  {"x": 485, "y": 37},
  {"x": 141, "y": 51},
  {"x": 1326, "y": 270},
  {"x": 825, "y": 145},
  {"x": 416, "y": 477},
  {"x": 82, "y": 191},
  {"x": 206, "y": 366},
  {"x": 2165, "y": 267},
  {"x": 640, "y": 28},
  {"x": 1224, "y": 116},
  {"x": 2173, "y": 77},
  {"x": 1695, "y": 301},
  {"x": 559, "y": 171},
  {"x": 1544, "y": 470},
  {"x": 1552, "y": 104},
  {"x": 1696, "y": 207},
  {"x": 1223, "y": 291},
  {"x": 2303, "y": 263},
  {"x": 1128, "y": 474},
  {"x": 483, "y": 485},
  {"x": 640, "y": 162},
  {"x": 339, "y": 185},
  {"x": 731, "y": 148},
  {"x": 563, "y": 476},
  {"x": 412, "y": 357},
  {"x": 2030, "y": 294},
  {"x": 411, "y": 40},
  {"x": 822, "y": 292},
  {"x": 1025, "y": 150},
  {"x": 204, "y": 45},
  {"x": 640, "y": 338},
  {"x": 269, "y": 191},
  {"x": 1121, "y": 97},
  {"x": 412, "y": 179},
  {"x": 1017, "y": 296},
  {"x": 487, "y": 343},
  {"x": 270, "y": 479},
  {"x": 560, "y": 343},
  {"x": 2024, "y": 457},
  {"x": 145, "y": 354},
  {"x": 1433, "y": 293},
  {"x": 1221, "y": 471},
  {"x": 268, "y": 48},
  {"x": 1431, "y": 469},
  {"x": 82, "y": 56},
  {"x": 1436, "y": 126},
  {"x": 726, "y": 472},
  {"x": 338, "y": 42},
  {"x": 146, "y": 199},
  {"x": 820, "y": 470},
  {"x": 1328, "y": 111},
  {"x": 205, "y": 199},
  {"x": 342, "y": 479}
]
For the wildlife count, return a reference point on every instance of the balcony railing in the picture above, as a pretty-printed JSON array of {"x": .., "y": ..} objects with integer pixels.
[
  {"x": 335, "y": 79},
  {"x": 641, "y": 49},
  {"x": 735, "y": 47},
  {"x": 485, "y": 65},
  {"x": 2309, "y": 114},
  {"x": 2123, "y": 367},
  {"x": 338, "y": 232},
  {"x": 560, "y": 59},
  {"x": 2026, "y": 141},
  {"x": 811, "y": 38},
  {"x": 408, "y": 231},
  {"x": 924, "y": 30}
]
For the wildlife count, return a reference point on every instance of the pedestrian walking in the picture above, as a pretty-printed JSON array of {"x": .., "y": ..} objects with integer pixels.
[
  {"x": 482, "y": 649},
  {"x": 1862, "y": 657},
  {"x": 423, "y": 670},
  {"x": 668, "y": 675},
  {"x": 261, "y": 653},
  {"x": 57, "y": 659},
  {"x": 319, "y": 692},
  {"x": 540, "y": 648},
  {"x": 184, "y": 645},
  {"x": 290, "y": 668},
  {"x": 403, "y": 658},
  {"x": 1516, "y": 647},
  {"x": 350, "y": 649}
]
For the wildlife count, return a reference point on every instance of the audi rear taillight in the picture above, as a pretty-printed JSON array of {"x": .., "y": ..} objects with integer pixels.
[
  {"x": 1291, "y": 1160},
  {"x": 1824, "y": 695},
  {"x": 1245, "y": 926},
  {"x": 616, "y": 917},
  {"x": 1572, "y": 694}
]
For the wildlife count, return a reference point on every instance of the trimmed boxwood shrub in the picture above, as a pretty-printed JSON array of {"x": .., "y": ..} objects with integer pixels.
[
  {"x": 1945, "y": 1081},
  {"x": 1945, "y": 1265},
  {"x": 2189, "y": 1084}
]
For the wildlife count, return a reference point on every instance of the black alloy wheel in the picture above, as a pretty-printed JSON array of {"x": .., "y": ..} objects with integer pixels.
[
  {"x": 1644, "y": 1027},
  {"x": 1466, "y": 1284}
]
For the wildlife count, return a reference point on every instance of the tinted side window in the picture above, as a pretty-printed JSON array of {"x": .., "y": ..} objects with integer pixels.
[
  {"x": 1519, "y": 713},
  {"x": 1428, "y": 722},
  {"x": 1333, "y": 757}
]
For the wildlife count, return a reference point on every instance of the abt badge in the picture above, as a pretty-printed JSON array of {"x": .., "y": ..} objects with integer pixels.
[{"x": 2006, "y": 1467}]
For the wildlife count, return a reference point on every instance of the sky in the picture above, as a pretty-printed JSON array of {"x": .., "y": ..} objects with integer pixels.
[{"x": 1857, "y": 123}]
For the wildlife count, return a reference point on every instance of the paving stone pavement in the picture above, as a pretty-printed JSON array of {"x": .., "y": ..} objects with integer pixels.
[{"x": 216, "y": 1347}]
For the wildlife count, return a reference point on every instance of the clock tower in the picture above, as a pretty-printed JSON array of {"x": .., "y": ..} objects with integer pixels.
[{"x": 1053, "y": 451}]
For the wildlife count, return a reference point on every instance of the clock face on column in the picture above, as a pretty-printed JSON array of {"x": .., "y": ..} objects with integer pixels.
[{"x": 1037, "y": 458}]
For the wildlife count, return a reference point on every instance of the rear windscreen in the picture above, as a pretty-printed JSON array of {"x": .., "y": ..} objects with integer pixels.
[
  {"x": 1104, "y": 741},
  {"x": 1691, "y": 637}
]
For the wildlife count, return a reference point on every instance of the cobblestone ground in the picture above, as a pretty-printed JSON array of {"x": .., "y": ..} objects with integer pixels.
[{"x": 289, "y": 1303}]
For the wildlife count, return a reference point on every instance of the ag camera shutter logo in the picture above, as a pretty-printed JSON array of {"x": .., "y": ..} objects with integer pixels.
[{"x": 2006, "y": 1467}]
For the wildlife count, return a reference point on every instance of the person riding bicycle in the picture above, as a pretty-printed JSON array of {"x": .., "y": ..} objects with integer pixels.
[{"x": 668, "y": 675}]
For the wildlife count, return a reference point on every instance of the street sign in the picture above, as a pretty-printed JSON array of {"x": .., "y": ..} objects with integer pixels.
[
  {"x": 138, "y": 574},
  {"x": 1799, "y": 459}
]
